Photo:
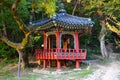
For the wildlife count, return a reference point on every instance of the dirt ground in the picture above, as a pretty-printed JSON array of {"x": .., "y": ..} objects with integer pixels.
[
  {"x": 98, "y": 70},
  {"x": 107, "y": 72},
  {"x": 110, "y": 71}
]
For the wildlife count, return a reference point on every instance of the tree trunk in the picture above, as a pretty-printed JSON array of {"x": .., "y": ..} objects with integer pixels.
[
  {"x": 75, "y": 7},
  {"x": 24, "y": 58},
  {"x": 102, "y": 35},
  {"x": 18, "y": 46}
]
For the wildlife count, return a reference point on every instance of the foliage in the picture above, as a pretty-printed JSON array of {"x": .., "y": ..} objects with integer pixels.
[
  {"x": 88, "y": 8},
  {"x": 46, "y": 6},
  {"x": 11, "y": 28},
  {"x": 6, "y": 51},
  {"x": 38, "y": 39},
  {"x": 113, "y": 25},
  {"x": 99, "y": 10},
  {"x": 110, "y": 10},
  {"x": 108, "y": 7},
  {"x": 23, "y": 11},
  {"x": 10, "y": 24},
  {"x": 6, "y": 61},
  {"x": 49, "y": 6}
]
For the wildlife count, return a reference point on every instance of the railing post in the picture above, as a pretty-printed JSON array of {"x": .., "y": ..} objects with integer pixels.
[
  {"x": 81, "y": 53},
  {"x": 73, "y": 52},
  {"x": 65, "y": 53},
  {"x": 51, "y": 54}
]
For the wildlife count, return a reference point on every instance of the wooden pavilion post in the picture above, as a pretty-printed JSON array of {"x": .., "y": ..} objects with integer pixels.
[
  {"x": 58, "y": 46},
  {"x": 44, "y": 63},
  {"x": 76, "y": 46},
  {"x": 45, "y": 41},
  {"x": 58, "y": 39},
  {"x": 44, "y": 50},
  {"x": 76, "y": 41}
]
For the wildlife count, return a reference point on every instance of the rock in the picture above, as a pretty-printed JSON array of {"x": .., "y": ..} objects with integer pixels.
[
  {"x": 43, "y": 71},
  {"x": 79, "y": 69}
]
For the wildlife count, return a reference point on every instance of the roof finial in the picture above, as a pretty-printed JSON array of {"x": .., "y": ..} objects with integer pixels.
[
  {"x": 62, "y": 6},
  {"x": 62, "y": 9}
]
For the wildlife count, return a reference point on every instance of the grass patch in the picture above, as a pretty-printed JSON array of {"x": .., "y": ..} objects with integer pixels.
[
  {"x": 31, "y": 77},
  {"x": 27, "y": 69},
  {"x": 118, "y": 57},
  {"x": 6, "y": 62},
  {"x": 105, "y": 61},
  {"x": 5, "y": 75},
  {"x": 83, "y": 73}
]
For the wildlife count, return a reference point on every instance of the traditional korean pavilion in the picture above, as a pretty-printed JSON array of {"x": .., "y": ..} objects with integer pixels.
[{"x": 61, "y": 38}]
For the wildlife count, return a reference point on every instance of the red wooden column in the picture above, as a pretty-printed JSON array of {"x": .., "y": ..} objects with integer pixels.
[
  {"x": 58, "y": 42},
  {"x": 49, "y": 63},
  {"x": 58, "y": 39},
  {"x": 76, "y": 43},
  {"x": 44, "y": 64},
  {"x": 45, "y": 41},
  {"x": 58, "y": 65},
  {"x": 45, "y": 47},
  {"x": 77, "y": 63}
]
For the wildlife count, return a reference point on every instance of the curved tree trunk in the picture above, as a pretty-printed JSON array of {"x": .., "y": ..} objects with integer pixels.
[
  {"x": 18, "y": 46},
  {"x": 24, "y": 58},
  {"x": 102, "y": 35}
]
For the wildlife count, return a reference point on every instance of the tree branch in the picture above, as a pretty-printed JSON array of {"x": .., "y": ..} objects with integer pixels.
[
  {"x": 113, "y": 29},
  {"x": 25, "y": 40},
  {"x": 15, "y": 45},
  {"x": 11, "y": 44},
  {"x": 75, "y": 7},
  {"x": 18, "y": 20},
  {"x": 8, "y": 5},
  {"x": 21, "y": 26}
]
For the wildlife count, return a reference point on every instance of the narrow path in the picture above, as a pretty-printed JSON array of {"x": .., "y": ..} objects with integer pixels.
[
  {"x": 113, "y": 72},
  {"x": 110, "y": 71}
]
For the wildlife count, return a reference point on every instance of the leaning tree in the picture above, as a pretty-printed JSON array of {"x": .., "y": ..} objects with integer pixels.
[
  {"x": 105, "y": 11},
  {"x": 18, "y": 46},
  {"x": 13, "y": 5}
]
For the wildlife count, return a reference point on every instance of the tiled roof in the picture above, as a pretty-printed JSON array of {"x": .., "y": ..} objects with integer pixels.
[{"x": 62, "y": 19}]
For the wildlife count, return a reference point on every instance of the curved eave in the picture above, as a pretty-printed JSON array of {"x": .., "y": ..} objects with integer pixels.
[
  {"x": 64, "y": 20},
  {"x": 62, "y": 25}
]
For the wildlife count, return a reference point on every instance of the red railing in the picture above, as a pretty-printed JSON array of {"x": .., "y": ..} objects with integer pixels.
[{"x": 60, "y": 54}]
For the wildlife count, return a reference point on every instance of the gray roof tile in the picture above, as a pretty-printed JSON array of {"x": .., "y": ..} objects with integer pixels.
[{"x": 63, "y": 19}]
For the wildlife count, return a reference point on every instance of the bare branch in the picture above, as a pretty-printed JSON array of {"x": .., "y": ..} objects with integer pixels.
[{"x": 75, "y": 7}]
